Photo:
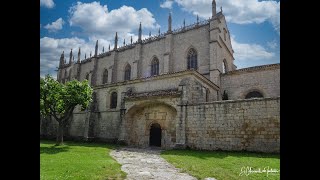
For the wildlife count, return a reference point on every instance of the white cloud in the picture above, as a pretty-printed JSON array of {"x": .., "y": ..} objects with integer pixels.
[
  {"x": 55, "y": 26},
  {"x": 237, "y": 11},
  {"x": 95, "y": 19},
  {"x": 167, "y": 4},
  {"x": 47, "y": 3},
  {"x": 249, "y": 52},
  {"x": 272, "y": 44}
]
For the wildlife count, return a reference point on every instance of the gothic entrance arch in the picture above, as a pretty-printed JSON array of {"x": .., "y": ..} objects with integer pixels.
[{"x": 155, "y": 135}]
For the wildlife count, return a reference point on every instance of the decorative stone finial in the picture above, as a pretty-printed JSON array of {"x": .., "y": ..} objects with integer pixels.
[
  {"x": 103, "y": 49},
  {"x": 150, "y": 34},
  {"x": 85, "y": 55},
  {"x": 131, "y": 40},
  {"x": 221, "y": 9},
  {"x": 109, "y": 47},
  {"x": 214, "y": 8},
  {"x": 79, "y": 54},
  {"x": 197, "y": 19},
  {"x": 169, "y": 23},
  {"x": 62, "y": 59},
  {"x": 140, "y": 33},
  {"x": 159, "y": 31},
  {"x": 96, "y": 50},
  {"x": 70, "y": 58},
  {"x": 116, "y": 41},
  {"x": 184, "y": 23},
  {"x": 124, "y": 42}
]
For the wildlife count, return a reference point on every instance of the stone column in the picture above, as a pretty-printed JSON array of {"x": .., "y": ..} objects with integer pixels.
[
  {"x": 181, "y": 121},
  {"x": 122, "y": 139}
]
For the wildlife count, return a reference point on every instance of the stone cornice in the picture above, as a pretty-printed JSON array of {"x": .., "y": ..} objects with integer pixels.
[
  {"x": 253, "y": 69},
  {"x": 236, "y": 101},
  {"x": 162, "y": 93},
  {"x": 162, "y": 76}
]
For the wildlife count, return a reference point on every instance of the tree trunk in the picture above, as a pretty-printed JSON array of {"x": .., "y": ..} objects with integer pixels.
[{"x": 60, "y": 134}]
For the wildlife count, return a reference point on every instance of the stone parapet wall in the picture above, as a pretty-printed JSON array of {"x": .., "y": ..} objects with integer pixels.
[{"x": 251, "y": 125}]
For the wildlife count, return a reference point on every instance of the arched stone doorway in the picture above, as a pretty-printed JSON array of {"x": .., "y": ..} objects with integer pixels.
[
  {"x": 155, "y": 135},
  {"x": 150, "y": 117}
]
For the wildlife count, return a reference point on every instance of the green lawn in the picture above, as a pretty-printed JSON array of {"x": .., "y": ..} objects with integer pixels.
[
  {"x": 78, "y": 161},
  {"x": 224, "y": 165}
]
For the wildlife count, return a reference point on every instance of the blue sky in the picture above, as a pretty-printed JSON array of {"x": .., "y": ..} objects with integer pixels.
[{"x": 64, "y": 24}]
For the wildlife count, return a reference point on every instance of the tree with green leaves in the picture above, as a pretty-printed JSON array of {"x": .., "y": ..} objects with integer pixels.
[{"x": 59, "y": 100}]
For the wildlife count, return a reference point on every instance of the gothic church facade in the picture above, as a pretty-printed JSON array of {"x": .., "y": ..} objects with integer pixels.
[{"x": 175, "y": 90}]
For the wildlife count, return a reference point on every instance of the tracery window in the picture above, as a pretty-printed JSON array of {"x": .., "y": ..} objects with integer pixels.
[
  {"x": 127, "y": 72},
  {"x": 105, "y": 77},
  {"x": 155, "y": 67},
  {"x": 192, "y": 59},
  {"x": 113, "y": 100}
]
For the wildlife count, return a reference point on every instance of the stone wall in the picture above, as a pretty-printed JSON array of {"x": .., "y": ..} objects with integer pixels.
[
  {"x": 252, "y": 125},
  {"x": 265, "y": 79}
]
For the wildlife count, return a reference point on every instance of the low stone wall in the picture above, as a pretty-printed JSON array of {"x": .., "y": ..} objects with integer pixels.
[{"x": 251, "y": 125}]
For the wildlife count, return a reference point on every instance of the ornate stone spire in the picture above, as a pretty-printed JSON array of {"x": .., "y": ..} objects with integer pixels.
[
  {"x": 131, "y": 39},
  {"x": 149, "y": 33},
  {"x": 79, "y": 54},
  {"x": 124, "y": 42},
  {"x": 96, "y": 50},
  {"x": 140, "y": 33},
  {"x": 214, "y": 8},
  {"x": 169, "y": 23},
  {"x": 197, "y": 19},
  {"x": 103, "y": 49},
  {"x": 62, "y": 59},
  {"x": 70, "y": 58},
  {"x": 109, "y": 47},
  {"x": 116, "y": 41}
]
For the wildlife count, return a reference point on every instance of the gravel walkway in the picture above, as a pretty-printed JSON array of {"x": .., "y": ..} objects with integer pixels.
[{"x": 143, "y": 164}]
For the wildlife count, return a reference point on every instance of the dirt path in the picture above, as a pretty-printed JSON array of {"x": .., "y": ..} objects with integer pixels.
[{"x": 143, "y": 164}]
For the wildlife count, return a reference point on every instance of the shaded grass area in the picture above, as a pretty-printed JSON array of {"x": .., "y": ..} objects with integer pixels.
[
  {"x": 75, "y": 160},
  {"x": 225, "y": 165}
]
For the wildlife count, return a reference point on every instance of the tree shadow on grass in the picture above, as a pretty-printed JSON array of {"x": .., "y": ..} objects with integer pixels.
[
  {"x": 202, "y": 154},
  {"x": 53, "y": 149}
]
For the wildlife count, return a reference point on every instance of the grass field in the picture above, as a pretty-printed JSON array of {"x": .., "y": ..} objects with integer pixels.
[
  {"x": 225, "y": 165},
  {"x": 78, "y": 161}
]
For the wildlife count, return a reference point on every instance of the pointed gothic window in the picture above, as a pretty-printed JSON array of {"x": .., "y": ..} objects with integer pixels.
[
  {"x": 224, "y": 34},
  {"x": 113, "y": 100},
  {"x": 224, "y": 66},
  {"x": 127, "y": 72},
  {"x": 192, "y": 59},
  {"x": 155, "y": 67},
  {"x": 105, "y": 77}
]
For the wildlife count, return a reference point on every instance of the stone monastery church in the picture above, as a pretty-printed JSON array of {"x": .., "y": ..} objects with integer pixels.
[{"x": 178, "y": 89}]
